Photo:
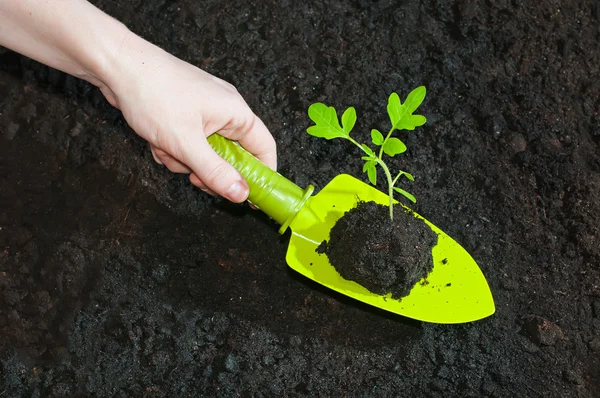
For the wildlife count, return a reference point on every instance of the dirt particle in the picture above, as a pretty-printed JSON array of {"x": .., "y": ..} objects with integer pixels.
[
  {"x": 295, "y": 341},
  {"x": 509, "y": 284},
  {"x": 497, "y": 125},
  {"x": 573, "y": 377},
  {"x": 11, "y": 131},
  {"x": 594, "y": 344},
  {"x": 28, "y": 112},
  {"x": 517, "y": 143},
  {"x": 231, "y": 364},
  {"x": 268, "y": 360},
  {"x": 542, "y": 331},
  {"x": 76, "y": 130}
]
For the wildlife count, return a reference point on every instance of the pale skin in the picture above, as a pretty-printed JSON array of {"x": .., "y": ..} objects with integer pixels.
[{"x": 170, "y": 103}]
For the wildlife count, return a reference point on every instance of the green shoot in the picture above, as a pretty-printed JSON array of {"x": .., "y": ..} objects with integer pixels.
[{"x": 401, "y": 116}]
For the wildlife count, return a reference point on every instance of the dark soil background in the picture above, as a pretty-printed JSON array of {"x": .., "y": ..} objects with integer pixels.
[{"x": 118, "y": 278}]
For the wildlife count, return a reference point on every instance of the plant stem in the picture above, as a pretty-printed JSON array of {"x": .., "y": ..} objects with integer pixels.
[
  {"x": 384, "y": 141},
  {"x": 398, "y": 176},
  {"x": 390, "y": 186},
  {"x": 385, "y": 170}
]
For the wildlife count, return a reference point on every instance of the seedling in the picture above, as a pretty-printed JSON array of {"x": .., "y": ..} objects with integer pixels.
[{"x": 401, "y": 116}]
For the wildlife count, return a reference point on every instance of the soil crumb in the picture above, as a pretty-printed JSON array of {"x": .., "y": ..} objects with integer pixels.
[{"x": 365, "y": 246}]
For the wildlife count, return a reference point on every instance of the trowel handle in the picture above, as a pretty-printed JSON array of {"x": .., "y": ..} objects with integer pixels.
[{"x": 272, "y": 193}]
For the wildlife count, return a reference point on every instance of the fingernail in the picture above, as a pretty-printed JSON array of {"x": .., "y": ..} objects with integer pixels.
[{"x": 237, "y": 192}]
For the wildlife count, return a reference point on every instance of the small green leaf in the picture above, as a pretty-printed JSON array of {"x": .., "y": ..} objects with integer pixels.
[
  {"x": 408, "y": 175},
  {"x": 368, "y": 150},
  {"x": 371, "y": 169},
  {"x": 394, "y": 146},
  {"x": 414, "y": 99},
  {"x": 401, "y": 115},
  {"x": 348, "y": 120},
  {"x": 327, "y": 124},
  {"x": 394, "y": 107},
  {"x": 377, "y": 137},
  {"x": 406, "y": 194},
  {"x": 410, "y": 122},
  {"x": 372, "y": 174}
]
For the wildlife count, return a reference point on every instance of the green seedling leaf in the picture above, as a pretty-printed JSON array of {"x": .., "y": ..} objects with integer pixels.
[
  {"x": 406, "y": 194},
  {"x": 401, "y": 115},
  {"x": 327, "y": 125},
  {"x": 408, "y": 175},
  {"x": 372, "y": 174},
  {"x": 393, "y": 146},
  {"x": 377, "y": 137},
  {"x": 410, "y": 122},
  {"x": 370, "y": 168},
  {"x": 326, "y": 121},
  {"x": 348, "y": 120},
  {"x": 368, "y": 150},
  {"x": 394, "y": 108},
  {"x": 402, "y": 173},
  {"x": 414, "y": 99}
]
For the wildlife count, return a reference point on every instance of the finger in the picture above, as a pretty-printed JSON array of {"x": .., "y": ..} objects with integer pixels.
[
  {"x": 154, "y": 155},
  {"x": 197, "y": 182},
  {"x": 169, "y": 161},
  {"x": 218, "y": 175},
  {"x": 253, "y": 135},
  {"x": 174, "y": 165}
]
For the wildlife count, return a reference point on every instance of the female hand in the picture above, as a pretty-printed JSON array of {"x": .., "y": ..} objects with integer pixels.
[
  {"x": 170, "y": 103},
  {"x": 175, "y": 106}
]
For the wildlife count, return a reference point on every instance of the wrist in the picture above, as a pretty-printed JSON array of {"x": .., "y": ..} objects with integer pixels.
[
  {"x": 99, "y": 60},
  {"x": 129, "y": 61}
]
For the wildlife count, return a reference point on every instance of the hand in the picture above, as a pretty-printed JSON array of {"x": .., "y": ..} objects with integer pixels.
[
  {"x": 175, "y": 106},
  {"x": 170, "y": 103}
]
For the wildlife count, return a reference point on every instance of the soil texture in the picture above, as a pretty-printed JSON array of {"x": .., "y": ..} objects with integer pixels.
[
  {"x": 119, "y": 279},
  {"x": 383, "y": 255}
]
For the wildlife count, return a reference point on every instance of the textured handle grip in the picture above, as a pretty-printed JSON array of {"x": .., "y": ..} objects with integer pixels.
[{"x": 272, "y": 193}]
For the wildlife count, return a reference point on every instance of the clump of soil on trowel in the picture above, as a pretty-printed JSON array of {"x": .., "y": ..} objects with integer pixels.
[{"x": 365, "y": 246}]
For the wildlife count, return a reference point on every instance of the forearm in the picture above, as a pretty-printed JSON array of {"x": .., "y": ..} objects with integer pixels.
[{"x": 69, "y": 35}]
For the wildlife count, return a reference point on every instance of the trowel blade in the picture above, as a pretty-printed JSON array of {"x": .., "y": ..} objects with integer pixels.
[{"x": 455, "y": 291}]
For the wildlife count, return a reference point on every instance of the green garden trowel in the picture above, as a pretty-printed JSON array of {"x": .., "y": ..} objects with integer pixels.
[{"x": 455, "y": 291}]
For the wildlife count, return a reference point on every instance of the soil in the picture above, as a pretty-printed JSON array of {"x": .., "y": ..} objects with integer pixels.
[
  {"x": 382, "y": 255},
  {"x": 118, "y": 278}
]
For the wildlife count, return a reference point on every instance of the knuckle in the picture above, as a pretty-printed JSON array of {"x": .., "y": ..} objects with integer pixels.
[
  {"x": 216, "y": 175},
  {"x": 243, "y": 124},
  {"x": 160, "y": 153},
  {"x": 247, "y": 123},
  {"x": 233, "y": 89},
  {"x": 225, "y": 85}
]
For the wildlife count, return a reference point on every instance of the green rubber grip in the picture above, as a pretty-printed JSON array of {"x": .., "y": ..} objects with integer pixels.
[{"x": 270, "y": 192}]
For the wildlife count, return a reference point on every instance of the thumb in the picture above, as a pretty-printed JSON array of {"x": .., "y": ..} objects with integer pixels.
[{"x": 214, "y": 171}]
